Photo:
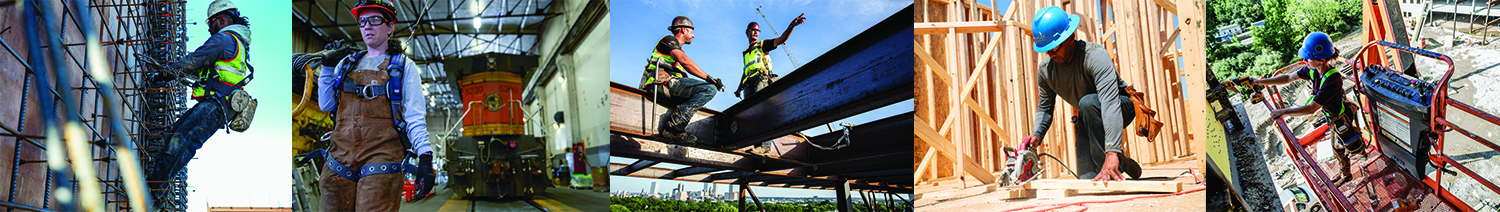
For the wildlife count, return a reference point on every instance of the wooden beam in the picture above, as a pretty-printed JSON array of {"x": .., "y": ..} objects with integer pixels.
[
  {"x": 1130, "y": 185},
  {"x": 1172, "y": 39},
  {"x": 957, "y": 193},
  {"x": 1057, "y": 193},
  {"x": 1017, "y": 194},
  {"x": 1169, "y": 6},
  {"x": 958, "y": 27},
  {"x": 927, "y": 158},
  {"x": 942, "y": 145}
]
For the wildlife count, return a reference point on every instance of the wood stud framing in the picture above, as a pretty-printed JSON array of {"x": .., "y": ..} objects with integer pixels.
[{"x": 976, "y": 89}]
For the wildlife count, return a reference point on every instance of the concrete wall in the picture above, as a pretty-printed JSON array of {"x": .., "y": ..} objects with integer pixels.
[{"x": 578, "y": 89}]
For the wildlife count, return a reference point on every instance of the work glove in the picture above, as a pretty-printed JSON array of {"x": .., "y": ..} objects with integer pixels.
[
  {"x": 717, "y": 83},
  {"x": 737, "y": 92},
  {"x": 424, "y": 174},
  {"x": 331, "y": 59}
]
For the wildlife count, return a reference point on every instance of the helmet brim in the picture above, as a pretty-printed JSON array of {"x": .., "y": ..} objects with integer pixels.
[
  {"x": 1305, "y": 54},
  {"x": 382, "y": 10},
  {"x": 1072, "y": 26}
]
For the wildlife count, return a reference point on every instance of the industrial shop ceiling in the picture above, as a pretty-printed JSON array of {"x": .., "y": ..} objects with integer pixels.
[{"x": 436, "y": 30}]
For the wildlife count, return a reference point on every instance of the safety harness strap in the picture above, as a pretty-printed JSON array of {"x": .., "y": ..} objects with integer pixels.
[{"x": 367, "y": 170}]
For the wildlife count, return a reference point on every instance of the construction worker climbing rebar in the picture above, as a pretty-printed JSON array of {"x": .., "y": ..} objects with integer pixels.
[
  {"x": 1327, "y": 94},
  {"x": 1084, "y": 76},
  {"x": 221, "y": 68},
  {"x": 376, "y": 100},
  {"x": 666, "y": 73}
]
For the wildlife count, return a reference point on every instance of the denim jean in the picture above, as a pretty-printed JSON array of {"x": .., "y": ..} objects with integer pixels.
[
  {"x": 1090, "y": 131},
  {"x": 755, "y": 84},
  {"x": 192, "y": 128},
  {"x": 693, "y": 92}
]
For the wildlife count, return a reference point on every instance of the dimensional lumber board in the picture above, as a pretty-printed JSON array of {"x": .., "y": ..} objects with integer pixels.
[
  {"x": 1017, "y": 194},
  {"x": 957, "y": 193},
  {"x": 1057, "y": 193},
  {"x": 1141, "y": 186}
]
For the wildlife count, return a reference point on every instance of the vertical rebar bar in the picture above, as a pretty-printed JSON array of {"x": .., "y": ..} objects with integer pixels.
[
  {"x": 15, "y": 168},
  {"x": 130, "y": 168},
  {"x": 48, "y": 110}
]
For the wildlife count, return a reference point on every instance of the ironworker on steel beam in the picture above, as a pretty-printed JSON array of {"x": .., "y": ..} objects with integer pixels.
[
  {"x": 757, "y": 74},
  {"x": 666, "y": 73},
  {"x": 870, "y": 70},
  {"x": 1104, "y": 105}
]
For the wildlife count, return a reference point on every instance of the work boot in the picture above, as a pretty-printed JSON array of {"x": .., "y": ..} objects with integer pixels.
[{"x": 1130, "y": 167}]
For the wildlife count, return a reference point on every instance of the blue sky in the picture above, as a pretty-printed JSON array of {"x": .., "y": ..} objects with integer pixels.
[
  {"x": 251, "y": 168},
  {"x": 719, "y": 27}
]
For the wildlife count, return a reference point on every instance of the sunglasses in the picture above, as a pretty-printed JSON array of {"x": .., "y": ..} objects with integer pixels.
[{"x": 372, "y": 21}]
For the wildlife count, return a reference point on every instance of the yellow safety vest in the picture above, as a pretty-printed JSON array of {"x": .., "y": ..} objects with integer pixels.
[
  {"x": 756, "y": 62},
  {"x": 650, "y": 74},
  {"x": 230, "y": 72}
]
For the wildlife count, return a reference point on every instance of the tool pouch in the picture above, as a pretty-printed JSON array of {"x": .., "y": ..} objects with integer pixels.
[
  {"x": 244, "y": 106},
  {"x": 1146, "y": 124},
  {"x": 1342, "y": 125}
]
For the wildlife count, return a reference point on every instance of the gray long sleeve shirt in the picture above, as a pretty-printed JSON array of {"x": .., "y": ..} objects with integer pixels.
[{"x": 1090, "y": 72}]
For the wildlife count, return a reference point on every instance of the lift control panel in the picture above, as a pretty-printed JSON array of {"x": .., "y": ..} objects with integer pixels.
[{"x": 1402, "y": 109}]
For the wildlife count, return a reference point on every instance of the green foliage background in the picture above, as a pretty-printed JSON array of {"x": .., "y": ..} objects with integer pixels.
[{"x": 1277, "y": 41}]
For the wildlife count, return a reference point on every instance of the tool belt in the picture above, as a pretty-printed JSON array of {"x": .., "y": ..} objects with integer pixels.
[
  {"x": 1146, "y": 124},
  {"x": 1342, "y": 125}
]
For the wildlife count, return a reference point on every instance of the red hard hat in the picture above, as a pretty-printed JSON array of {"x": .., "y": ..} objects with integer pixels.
[{"x": 385, "y": 7}]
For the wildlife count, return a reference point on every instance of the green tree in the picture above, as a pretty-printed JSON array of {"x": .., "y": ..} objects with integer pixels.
[
  {"x": 618, "y": 208},
  {"x": 1306, "y": 16},
  {"x": 1266, "y": 63},
  {"x": 1276, "y": 35}
]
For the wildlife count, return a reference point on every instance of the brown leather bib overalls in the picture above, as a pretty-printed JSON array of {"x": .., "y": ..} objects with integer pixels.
[{"x": 364, "y": 133}]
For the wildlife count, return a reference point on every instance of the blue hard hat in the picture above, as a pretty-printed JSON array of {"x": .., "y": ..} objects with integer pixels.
[
  {"x": 1317, "y": 46},
  {"x": 1051, "y": 26}
]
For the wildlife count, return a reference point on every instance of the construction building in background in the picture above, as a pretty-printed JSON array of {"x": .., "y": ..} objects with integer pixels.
[
  {"x": 132, "y": 37},
  {"x": 976, "y": 95},
  {"x": 511, "y": 87}
]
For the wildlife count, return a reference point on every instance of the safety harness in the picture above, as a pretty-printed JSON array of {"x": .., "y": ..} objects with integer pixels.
[
  {"x": 225, "y": 84},
  {"x": 661, "y": 63},
  {"x": 756, "y": 62},
  {"x": 228, "y": 76},
  {"x": 1341, "y": 122},
  {"x": 392, "y": 90}
]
